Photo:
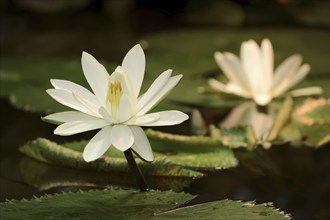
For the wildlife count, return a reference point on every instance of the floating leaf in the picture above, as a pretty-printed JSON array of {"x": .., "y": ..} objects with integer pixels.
[
  {"x": 49, "y": 152},
  {"x": 242, "y": 136},
  {"x": 310, "y": 123},
  {"x": 128, "y": 204},
  {"x": 172, "y": 153},
  {"x": 313, "y": 111}
]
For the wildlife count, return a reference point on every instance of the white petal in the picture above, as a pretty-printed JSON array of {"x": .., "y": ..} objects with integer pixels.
[
  {"x": 96, "y": 75},
  {"x": 167, "y": 118},
  {"x": 253, "y": 66},
  {"x": 218, "y": 86},
  {"x": 291, "y": 79},
  {"x": 141, "y": 144},
  {"x": 236, "y": 65},
  {"x": 161, "y": 94},
  {"x": 231, "y": 68},
  {"x": 125, "y": 108},
  {"x": 76, "y": 127},
  {"x": 90, "y": 103},
  {"x": 247, "y": 114},
  {"x": 143, "y": 119},
  {"x": 121, "y": 137},
  {"x": 155, "y": 87},
  {"x": 66, "y": 98},
  {"x": 300, "y": 75},
  {"x": 75, "y": 88},
  {"x": 134, "y": 64},
  {"x": 98, "y": 145},
  {"x": 286, "y": 69},
  {"x": 235, "y": 89},
  {"x": 261, "y": 123},
  {"x": 71, "y": 86},
  {"x": 267, "y": 60},
  {"x": 69, "y": 116},
  {"x": 105, "y": 114},
  {"x": 315, "y": 90},
  {"x": 238, "y": 115}
]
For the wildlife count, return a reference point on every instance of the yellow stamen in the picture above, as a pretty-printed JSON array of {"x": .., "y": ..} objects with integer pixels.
[{"x": 113, "y": 97}]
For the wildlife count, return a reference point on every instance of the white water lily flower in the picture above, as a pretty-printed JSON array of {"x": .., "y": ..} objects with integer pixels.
[
  {"x": 252, "y": 76},
  {"x": 115, "y": 106}
]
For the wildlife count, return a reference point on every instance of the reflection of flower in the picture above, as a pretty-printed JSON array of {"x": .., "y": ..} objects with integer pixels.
[
  {"x": 248, "y": 114},
  {"x": 115, "y": 107},
  {"x": 252, "y": 76}
]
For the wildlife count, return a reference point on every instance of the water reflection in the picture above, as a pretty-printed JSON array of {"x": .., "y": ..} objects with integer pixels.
[
  {"x": 248, "y": 113},
  {"x": 46, "y": 177}
]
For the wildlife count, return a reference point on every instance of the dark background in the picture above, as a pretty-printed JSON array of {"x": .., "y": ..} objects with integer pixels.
[{"x": 107, "y": 29}]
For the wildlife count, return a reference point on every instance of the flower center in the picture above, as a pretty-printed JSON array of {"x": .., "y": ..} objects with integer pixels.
[{"x": 113, "y": 97}]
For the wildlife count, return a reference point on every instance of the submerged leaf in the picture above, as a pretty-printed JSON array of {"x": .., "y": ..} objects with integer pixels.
[
  {"x": 69, "y": 156},
  {"x": 47, "y": 177},
  {"x": 242, "y": 136},
  {"x": 128, "y": 204}
]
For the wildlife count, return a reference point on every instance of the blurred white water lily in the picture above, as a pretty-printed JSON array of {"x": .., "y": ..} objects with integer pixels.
[
  {"x": 253, "y": 76},
  {"x": 115, "y": 106},
  {"x": 247, "y": 114}
]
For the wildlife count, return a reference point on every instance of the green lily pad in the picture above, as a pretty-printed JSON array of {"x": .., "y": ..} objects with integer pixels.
[
  {"x": 310, "y": 123},
  {"x": 69, "y": 155},
  {"x": 128, "y": 204},
  {"x": 173, "y": 155}
]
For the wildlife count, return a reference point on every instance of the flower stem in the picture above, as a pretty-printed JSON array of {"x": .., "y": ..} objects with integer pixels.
[{"x": 136, "y": 171}]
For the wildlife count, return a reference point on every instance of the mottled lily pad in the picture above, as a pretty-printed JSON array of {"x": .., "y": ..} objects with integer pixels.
[
  {"x": 310, "y": 123},
  {"x": 128, "y": 204},
  {"x": 172, "y": 157}
]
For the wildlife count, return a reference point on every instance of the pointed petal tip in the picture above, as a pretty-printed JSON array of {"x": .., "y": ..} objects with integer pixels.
[
  {"x": 265, "y": 40},
  {"x": 137, "y": 47},
  {"x": 217, "y": 55},
  {"x": 49, "y": 91},
  {"x": 179, "y": 76},
  {"x": 86, "y": 55},
  {"x": 306, "y": 66}
]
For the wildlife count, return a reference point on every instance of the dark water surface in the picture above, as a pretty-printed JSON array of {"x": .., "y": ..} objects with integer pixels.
[{"x": 296, "y": 180}]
